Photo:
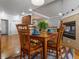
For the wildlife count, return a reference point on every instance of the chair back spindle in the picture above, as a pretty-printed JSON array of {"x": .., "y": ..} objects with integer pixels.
[
  {"x": 60, "y": 34},
  {"x": 24, "y": 33}
]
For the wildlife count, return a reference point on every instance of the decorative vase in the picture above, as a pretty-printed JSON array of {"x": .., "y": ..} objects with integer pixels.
[{"x": 43, "y": 32}]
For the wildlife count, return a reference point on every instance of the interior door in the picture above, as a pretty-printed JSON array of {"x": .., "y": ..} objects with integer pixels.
[{"x": 4, "y": 26}]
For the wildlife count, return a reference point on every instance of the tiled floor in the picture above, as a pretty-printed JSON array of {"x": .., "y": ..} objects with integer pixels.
[{"x": 10, "y": 46}]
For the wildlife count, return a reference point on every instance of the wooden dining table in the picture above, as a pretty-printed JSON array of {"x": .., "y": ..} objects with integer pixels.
[{"x": 44, "y": 38}]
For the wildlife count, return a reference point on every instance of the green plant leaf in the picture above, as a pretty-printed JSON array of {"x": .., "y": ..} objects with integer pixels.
[{"x": 42, "y": 25}]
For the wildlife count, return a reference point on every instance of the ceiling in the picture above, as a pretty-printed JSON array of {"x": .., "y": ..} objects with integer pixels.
[
  {"x": 14, "y": 6},
  {"x": 18, "y": 6},
  {"x": 51, "y": 9},
  {"x": 46, "y": 2}
]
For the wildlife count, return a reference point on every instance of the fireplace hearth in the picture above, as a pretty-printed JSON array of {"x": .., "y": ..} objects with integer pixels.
[{"x": 70, "y": 30}]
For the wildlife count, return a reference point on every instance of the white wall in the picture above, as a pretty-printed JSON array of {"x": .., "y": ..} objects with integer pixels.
[
  {"x": 54, "y": 22},
  {"x": 12, "y": 21},
  {"x": 0, "y": 25}
]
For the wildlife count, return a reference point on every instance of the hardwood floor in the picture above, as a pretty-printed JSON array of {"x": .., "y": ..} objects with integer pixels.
[{"x": 10, "y": 46}]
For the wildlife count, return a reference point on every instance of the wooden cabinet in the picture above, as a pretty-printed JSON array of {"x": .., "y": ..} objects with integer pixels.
[{"x": 26, "y": 19}]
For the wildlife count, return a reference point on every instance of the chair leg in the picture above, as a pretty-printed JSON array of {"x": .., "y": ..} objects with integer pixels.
[
  {"x": 20, "y": 54},
  {"x": 57, "y": 54},
  {"x": 60, "y": 54},
  {"x": 36, "y": 55},
  {"x": 41, "y": 55},
  {"x": 24, "y": 55},
  {"x": 29, "y": 56}
]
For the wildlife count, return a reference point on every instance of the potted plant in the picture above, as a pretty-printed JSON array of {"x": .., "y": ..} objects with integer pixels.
[{"x": 43, "y": 25}]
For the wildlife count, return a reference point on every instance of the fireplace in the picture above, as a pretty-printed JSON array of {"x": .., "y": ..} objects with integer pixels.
[{"x": 70, "y": 30}]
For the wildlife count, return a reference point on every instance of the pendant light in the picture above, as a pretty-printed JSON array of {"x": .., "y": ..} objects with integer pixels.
[{"x": 37, "y": 2}]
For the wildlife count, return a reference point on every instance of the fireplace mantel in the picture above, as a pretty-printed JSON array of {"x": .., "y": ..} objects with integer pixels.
[
  {"x": 69, "y": 41},
  {"x": 70, "y": 29}
]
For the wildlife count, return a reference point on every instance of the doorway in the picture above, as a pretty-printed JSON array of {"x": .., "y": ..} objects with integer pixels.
[{"x": 4, "y": 27}]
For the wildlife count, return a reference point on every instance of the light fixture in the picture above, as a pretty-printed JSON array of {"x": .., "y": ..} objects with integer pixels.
[
  {"x": 3, "y": 15},
  {"x": 30, "y": 9},
  {"x": 37, "y": 2},
  {"x": 23, "y": 13},
  {"x": 60, "y": 14}
]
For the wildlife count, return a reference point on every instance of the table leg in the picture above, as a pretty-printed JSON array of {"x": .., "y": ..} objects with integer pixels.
[{"x": 45, "y": 49}]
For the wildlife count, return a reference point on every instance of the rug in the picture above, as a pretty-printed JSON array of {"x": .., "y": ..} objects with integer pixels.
[{"x": 67, "y": 53}]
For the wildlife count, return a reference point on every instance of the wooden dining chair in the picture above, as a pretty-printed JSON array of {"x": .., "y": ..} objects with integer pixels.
[
  {"x": 54, "y": 44},
  {"x": 26, "y": 46}
]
